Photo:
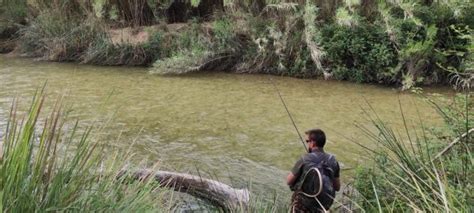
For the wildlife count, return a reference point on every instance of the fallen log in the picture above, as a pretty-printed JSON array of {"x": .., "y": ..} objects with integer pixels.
[{"x": 217, "y": 193}]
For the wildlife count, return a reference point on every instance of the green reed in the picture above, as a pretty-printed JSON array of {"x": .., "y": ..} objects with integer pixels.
[
  {"x": 410, "y": 172},
  {"x": 48, "y": 168}
]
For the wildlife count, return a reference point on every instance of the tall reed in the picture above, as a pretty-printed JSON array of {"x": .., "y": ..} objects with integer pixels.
[
  {"x": 415, "y": 170},
  {"x": 48, "y": 168}
]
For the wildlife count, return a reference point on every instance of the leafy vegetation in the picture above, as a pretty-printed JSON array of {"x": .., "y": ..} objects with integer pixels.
[
  {"x": 105, "y": 52},
  {"x": 362, "y": 53},
  {"x": 404, "y": 43}
]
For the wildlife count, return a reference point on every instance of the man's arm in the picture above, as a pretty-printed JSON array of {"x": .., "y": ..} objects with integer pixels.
[
  {"x": 290, "y": 179},
  {"x": 336, "y": 183},
  {"x": 294, "y": 173}
]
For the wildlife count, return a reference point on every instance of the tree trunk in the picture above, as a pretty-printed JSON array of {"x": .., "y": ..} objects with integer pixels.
[
  {"x": 215, "y": 192},
  {"x": 206, "y": 8},
  {"x": 369, "y": 9},
  {"x": 257, "y": 6},
  {"x": 134, "y": 12},
  {"x": 327, "y": 8},
  {"x": 181, "y": 10},
  {"x": 178, "y": 11}
]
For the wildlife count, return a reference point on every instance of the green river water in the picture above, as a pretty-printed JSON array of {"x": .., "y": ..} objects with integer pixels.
[{"x": 229, "y": 127}]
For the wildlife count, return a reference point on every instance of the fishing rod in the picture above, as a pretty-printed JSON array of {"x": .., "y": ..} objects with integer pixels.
[{"x": 289, "y": 115}]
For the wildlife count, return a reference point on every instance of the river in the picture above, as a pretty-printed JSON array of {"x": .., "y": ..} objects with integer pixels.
[{"x": 230, "y": 127}]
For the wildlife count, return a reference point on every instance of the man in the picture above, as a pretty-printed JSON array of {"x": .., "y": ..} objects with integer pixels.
[{"x": 316, "y": 139}]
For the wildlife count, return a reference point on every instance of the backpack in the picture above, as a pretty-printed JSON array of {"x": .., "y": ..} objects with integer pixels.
[{"x": 316, "y": 184}]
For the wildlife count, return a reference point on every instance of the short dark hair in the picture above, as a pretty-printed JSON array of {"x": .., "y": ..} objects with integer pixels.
[{"x": 318, "y": 136}]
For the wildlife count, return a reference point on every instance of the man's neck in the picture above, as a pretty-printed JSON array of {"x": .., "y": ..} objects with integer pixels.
[{"x": 317, "y": 149}]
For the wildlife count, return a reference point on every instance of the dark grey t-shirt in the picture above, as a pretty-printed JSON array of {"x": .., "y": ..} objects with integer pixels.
[{"x": 315, "y": 157}]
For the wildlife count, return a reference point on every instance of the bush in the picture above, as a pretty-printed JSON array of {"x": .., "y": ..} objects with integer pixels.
[
  {"x": 361, "y": 53},
  {"x": 184, "y": 52},
  {"x": 277, "y": 45},
  {"x": 104, "y": 52},
  {"x": 224, "y": 34},
  {"x": 59, "y": 39},
  {"x": 13, "y": 11},
  {"x": 428, "y": 42}
]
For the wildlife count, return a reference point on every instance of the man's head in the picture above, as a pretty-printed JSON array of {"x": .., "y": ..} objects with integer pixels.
[{"x": 315, "y": 138}]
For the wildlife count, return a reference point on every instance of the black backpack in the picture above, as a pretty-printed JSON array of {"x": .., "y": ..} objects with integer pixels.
[{"x": 316, "y": 183}]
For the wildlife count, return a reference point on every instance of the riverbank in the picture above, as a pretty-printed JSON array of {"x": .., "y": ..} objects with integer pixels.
[{"x": 383, "y": 43}]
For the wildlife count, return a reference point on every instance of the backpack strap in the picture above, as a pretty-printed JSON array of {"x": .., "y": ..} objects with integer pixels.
[
  {"x": 325, "y": 161},
  {"x": 320, "y": 179},
  {"x": 325, "y": 158}
]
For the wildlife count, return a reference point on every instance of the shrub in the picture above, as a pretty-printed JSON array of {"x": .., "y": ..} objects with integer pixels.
[
  {"x": 59, "y": 39},
  {"x": 185, "y": 52},
  {"x": 224, "y": 34},
  {"x": 13, "y": 11},
  {"x": 361, "y": 53},
  {"x": 429, "y": 41},
  {"x": 278, "y": 44},
  {"x": 104, "y": 52}
]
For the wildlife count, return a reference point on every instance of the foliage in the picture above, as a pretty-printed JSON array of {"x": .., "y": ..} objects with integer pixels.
[
  {"x": 48, "y": 168},
  {"x": 181, "y": 63},
  {"x": 313, "y": 35},
  {"x": 407, "y": 172},
  {"x": 13, "y": 11},
  {"x": 284, "y": 44},
  {"x": 404, "y": 43},
  {"x": 224, "y": 34},
  {"x": 58, "y": 39},
  {"x": 185, "y": 52},
  {"x": 104, "y": 52},
  {"x": 360, "y": 53},
  {"x": 424, "y": 37}
]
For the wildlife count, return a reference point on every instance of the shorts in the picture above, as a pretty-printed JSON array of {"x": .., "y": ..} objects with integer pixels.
[{"x": 298, "y": 205}]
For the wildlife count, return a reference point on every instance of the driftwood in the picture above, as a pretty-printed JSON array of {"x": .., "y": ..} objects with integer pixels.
[{"x": 215, "y": 192}]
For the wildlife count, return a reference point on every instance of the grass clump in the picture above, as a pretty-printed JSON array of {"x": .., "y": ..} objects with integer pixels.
[
  {"x": 426, "y": 172},
  {"x": 104, "y": 52},
  {"x": 45, "y": 168},
  {"x": 13, "y": 11},
  {"x": 187, "y": 52},
  {"x": 59, "y": 39}
]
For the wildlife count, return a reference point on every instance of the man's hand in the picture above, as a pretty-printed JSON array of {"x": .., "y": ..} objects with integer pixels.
[
  {"x": 290, "y": 179},
  {"x": 336, "y": 184}
]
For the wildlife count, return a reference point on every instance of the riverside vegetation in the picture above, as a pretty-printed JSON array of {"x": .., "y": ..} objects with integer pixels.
[
  {"x": 422, "y": 171},
  {"x": 402, "y": 43},
  {"x": 51, "y": 164}
]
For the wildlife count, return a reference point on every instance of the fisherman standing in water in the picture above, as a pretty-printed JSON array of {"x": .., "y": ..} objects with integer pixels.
[{"x": 315, "y": 177}]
